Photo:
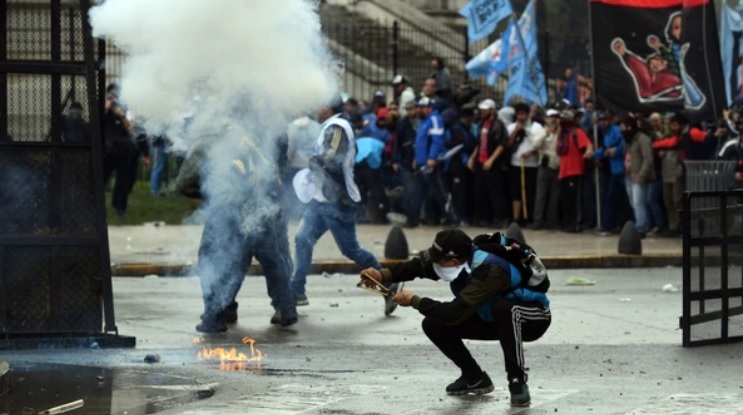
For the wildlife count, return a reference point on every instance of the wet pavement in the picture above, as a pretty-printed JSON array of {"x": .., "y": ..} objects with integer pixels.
[
  {"x": 613, "y": 348},
  {"x": 179, "y": 244},
  {"x": 38, "y": 387}
]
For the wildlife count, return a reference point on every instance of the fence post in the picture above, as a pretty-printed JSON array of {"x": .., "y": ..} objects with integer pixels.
[
  {"x": 395, "y": 47},
  {"x": 547, "y": 61},
  {"x": 466, "y": 53}
]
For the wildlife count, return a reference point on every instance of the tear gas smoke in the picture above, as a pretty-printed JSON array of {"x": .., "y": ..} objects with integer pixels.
[{"x": 225, "y": 77}]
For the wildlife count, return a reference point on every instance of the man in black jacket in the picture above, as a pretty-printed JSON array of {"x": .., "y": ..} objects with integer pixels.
[
  {"x": 487, "y": 162},
  {"x": 494, "y": 300}
]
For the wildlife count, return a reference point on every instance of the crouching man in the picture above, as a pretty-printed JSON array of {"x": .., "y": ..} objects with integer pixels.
[{"x": 499, "y": 286}]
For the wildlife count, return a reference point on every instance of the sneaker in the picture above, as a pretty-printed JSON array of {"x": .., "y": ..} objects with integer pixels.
[
  {"x": 601, "y": 232},
  {"x": 211, "y": 326},
  {"x": 301, "y": 299},
  {"x": 479, "y": 387},
  {"x": 519, "y": 393},
  {"x": 389, "y": 305},
  {"x": 285, "y": 318}
]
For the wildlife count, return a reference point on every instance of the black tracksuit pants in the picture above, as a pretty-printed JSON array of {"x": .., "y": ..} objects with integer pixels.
[{"x": 514, "y": 322}]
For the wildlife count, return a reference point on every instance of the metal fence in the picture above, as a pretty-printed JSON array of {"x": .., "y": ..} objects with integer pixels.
[
  {"x": 712, "y": 267},
  {"x": 55, "y": 281},
  {"x": 372, "y": 53}
]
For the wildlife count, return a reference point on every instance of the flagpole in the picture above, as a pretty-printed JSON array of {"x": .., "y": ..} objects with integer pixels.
[{"x": 596, "y": 175}]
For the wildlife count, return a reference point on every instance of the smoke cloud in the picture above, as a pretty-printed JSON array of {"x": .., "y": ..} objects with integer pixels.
[{"x": 224, "y": 78}]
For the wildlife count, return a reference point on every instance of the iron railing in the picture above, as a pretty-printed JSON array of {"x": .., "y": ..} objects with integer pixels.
[{"x": 712, "y": 267}]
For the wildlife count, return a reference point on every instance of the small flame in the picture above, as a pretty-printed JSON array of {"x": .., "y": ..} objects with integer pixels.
[{"x": 231, "y": 359}]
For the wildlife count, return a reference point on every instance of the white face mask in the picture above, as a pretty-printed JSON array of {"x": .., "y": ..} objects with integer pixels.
[{"x": 449, "y": 274}]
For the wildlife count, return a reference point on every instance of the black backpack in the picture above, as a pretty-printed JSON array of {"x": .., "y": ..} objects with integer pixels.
[{"x": 522, "y": 256}]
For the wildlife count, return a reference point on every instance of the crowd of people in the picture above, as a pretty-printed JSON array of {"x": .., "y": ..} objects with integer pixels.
[{"x": 446, "y": 158}]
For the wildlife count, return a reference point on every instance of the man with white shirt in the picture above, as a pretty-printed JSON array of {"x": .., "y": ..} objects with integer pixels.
[
  {"x": 522, "y": 174},
  {"x": 405, "y": 94},
  {"x": 330, "y": 192},
  {"x": 547, "y": 200}
]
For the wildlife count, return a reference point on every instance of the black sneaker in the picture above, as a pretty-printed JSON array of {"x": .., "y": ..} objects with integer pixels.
[
  {"x": 211, "y": 326},
  {"x": 285, "y": 318},
  {"x": 301, "y": 299},
  {"x": 519, "y": 393},
  {"x": 389, "y": 305},
  {"x": 479, "y": 387}
]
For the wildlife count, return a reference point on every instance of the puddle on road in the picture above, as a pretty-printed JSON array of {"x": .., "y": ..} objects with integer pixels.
[{"x": 36, "y": 388}]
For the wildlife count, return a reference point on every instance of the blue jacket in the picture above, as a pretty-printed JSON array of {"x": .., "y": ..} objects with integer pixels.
[
  {"x": 613, "y": 138},
  {"x": 370, "y": 150},
  {"x": 517, "y": 292},
  {"x": 429, "y": 141},
  {"x": 373, "y": 131}
]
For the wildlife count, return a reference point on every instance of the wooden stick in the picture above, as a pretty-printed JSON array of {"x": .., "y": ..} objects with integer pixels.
[
  {"x": 64, "y": 408},
  {"x": 523, "y": 190}
]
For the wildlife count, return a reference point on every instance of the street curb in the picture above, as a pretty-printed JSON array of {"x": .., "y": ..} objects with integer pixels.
[{"x": 348, "y": 267}]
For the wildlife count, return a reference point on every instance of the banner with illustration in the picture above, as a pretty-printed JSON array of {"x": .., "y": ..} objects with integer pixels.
[{"x": 645, "y": 60}]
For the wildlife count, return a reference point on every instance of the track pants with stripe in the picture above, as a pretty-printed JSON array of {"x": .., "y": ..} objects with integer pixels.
[{"x": 515, "y": 322}]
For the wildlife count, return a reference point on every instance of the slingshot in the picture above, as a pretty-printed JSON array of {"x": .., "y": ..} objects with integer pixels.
[{"x": 376, "y": 287}]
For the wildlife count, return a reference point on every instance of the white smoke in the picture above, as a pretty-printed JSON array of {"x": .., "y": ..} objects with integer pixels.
[
  {"x": 271, "y": 50},
  {"x": 240, "y": 70}
]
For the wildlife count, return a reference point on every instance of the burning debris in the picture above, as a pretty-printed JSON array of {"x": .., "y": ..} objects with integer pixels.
[{"x": 232, "y": 360}]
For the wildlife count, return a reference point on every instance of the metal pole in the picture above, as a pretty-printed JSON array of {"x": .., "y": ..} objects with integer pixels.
[
  {"x": 595, "y": 108},
  {"x": 395, "y": 47},
  {"x": 466, "y": 52},
  {"x": 547, "y": 60}
]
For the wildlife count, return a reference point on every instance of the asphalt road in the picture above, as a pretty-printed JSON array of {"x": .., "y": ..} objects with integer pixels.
[{"x": 613, "y": 348}]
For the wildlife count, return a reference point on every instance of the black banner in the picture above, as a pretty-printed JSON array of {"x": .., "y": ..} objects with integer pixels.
[
  {"x": 702, "y": 74},
  {"x": 644, "y": 61}
]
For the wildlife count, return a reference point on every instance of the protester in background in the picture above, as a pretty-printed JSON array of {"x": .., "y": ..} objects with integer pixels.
[
  {"x": 377, "y": 128},
  {"x": 573, "y": 147},
  {"x": 403, "y": 156},
  {"x": 443, "y": 78},
  {"x": 329, "y": 190},
  {"x": 589, "y": 117},
  {"x": 639, "y": 165},
  {"x": 459, "y": 144},
  {"x": 429, "y": 89},
  {"x": 655, "y": 130},
  {"x": 485, "y": 162},
  {"x": 75, "y": 128},
  {"x": 404, "y": 93},
  {"x": 524, "y": 164},
  {"x": 612, "y": 153},
  {"x": 159, "y": 162},
  {"x": 588, "y": 213},
  {"x": 569, "y": 90},
  {"x": 120, "y": 150},
  {"x": 547, "y": 200},
  {"x": 672, "y": 172},
  {"x": 429, "y": 146}
]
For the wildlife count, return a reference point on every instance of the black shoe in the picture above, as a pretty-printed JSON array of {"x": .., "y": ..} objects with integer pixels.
[
  {"x": 389, "y": 305},
  {"x": 519, "y": 393},
  {"x": 211, "y": 326},
  {"x": 601, "y": 232},
  {"x": 463, "y": 387},
  {"x": 286, "y": 318},
  {"x": 228, "y": 315}
]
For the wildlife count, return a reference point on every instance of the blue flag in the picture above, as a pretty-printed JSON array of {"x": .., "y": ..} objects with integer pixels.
[
  {"x": 483, "y": 16},
  {"x": 526, "y": 78},
  {"x": 731, "y": 48}
]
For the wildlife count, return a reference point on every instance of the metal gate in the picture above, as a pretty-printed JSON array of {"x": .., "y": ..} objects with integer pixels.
[
  {"x": 55, "y": 277},
  {"x": 712, "y": 267}
]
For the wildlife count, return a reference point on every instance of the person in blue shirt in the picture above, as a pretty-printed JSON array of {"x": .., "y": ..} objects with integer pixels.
[
  {"x": 429, "y": 145},
  {"x": 377, "y": 126},
  {"x": 612, "y": 152}
]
